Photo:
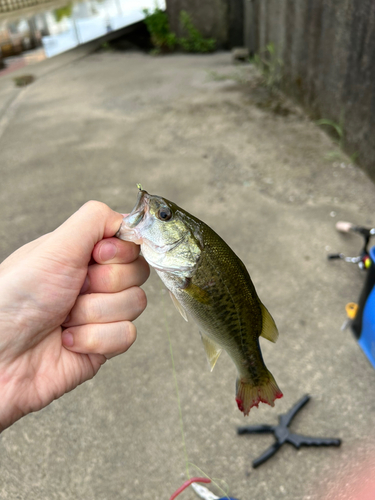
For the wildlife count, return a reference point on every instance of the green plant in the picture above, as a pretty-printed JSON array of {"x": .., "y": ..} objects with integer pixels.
[
  {"x": 339, "y": 138},
  {"x": 23, "y": 80},
  {"x": 65, "y": 11},
  {"x": 338, "y": 127},
  {"x": 158, "y": 26},
  {"x": 237, "y": 76},
  {"x": 106, "y": 46},
  {"x": 194, "y": 41},
  {"x": 270, "y": 65}
]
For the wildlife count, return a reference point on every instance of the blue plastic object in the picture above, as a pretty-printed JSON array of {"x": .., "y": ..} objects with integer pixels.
[{"x": 366, "y": 338}]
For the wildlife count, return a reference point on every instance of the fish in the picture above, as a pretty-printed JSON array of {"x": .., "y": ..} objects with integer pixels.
[{"x": 211, "y": 285}]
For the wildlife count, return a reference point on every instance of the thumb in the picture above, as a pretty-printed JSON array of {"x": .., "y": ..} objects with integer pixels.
[{"x": 77, "y": 236}]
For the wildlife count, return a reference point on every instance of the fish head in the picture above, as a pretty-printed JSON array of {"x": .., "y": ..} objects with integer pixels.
[{"x": 166, "y": 233}]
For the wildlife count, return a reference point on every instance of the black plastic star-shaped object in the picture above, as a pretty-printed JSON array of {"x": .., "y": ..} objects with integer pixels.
[{"x": 283, "y": 434}]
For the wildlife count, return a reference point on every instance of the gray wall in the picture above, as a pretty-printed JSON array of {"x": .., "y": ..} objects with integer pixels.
[
  {"x": 328, "y": 51},
  {"x": 219, "y": 19},
  {"x": 209, "y": 16}
]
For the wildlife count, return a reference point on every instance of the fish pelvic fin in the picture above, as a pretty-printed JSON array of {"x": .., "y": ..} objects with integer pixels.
[
  {"x": 213, "y": 351},
  {"x": 269, "y": 329},
  {"x": 178, "y": 306},
  {"x": 249, "y": 395}
]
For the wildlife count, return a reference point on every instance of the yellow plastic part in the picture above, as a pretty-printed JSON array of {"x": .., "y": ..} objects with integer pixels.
[
  {"x": 367, "y": 262},
  {"x": 351, "y": 310}
]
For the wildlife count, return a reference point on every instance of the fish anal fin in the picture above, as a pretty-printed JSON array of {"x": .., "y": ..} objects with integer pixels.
[
  {"x": 269, "y": 329},
  {"x": 178, "y": 306},
  {"x": 213, "y": 350}
]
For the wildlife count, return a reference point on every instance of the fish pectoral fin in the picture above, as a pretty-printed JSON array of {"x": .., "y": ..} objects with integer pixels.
[
  {"x": 213, "y": 350},
  {"x": 269, "y": 329},
  {"x": 178, "y": 306},
  {"x": 197, "y": 293}
]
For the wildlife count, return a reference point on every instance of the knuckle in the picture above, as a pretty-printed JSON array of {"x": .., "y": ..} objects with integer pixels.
[
  {"x": 140, "y": 299},
  {"x": 92, "y": 342},
  {"x": 95, "y": 206},
  {"x": 108, "y": 277},
  {"x": 93, "y": 308},
  {"x": 145, "y": 268},
  {"x": 130, "y": 332}
]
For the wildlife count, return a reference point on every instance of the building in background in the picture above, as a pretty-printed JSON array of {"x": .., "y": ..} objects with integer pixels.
[{"x": 48, "y": 29}]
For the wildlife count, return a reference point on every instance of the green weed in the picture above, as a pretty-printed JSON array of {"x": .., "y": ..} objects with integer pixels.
[
  {"x": 270, "y": 65},
  {"x": 158, "y": 26},
  {"x": 337, "y": 127},
  {"x": 339, "y": 138},
  {"x": 220, "y": 77},
  {"x": 106, "y": 46},
  {"x": 23, "y": 80},
  {"x": 164, "y": 40},
  {"x": 65, "y": 11},
  {"x": 194, "y": 41}
]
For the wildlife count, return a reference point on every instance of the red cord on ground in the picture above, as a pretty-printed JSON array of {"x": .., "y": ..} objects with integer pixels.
[{"x": 188, "y": 483}]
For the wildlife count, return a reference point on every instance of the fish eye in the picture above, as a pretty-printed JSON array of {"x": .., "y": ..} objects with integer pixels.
[{"x": 164, "y": 214}]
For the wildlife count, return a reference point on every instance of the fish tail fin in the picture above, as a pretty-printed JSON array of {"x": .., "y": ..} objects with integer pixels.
[{"x": 249, "y": 394}]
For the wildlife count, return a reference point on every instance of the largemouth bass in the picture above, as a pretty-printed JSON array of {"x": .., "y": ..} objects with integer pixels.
[{"x": 208, "y": 282}]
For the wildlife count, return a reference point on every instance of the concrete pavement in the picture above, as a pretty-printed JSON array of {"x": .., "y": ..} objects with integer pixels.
[{"x": 201, "y": 132}]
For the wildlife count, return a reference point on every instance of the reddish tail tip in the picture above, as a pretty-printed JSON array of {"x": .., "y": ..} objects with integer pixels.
[{"x": 249, "y": 395}]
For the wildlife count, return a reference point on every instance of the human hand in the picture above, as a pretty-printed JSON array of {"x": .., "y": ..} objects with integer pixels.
[{"x": 67, "y": 304}]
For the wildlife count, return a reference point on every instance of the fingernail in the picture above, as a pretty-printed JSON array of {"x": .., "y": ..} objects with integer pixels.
[
  {"x": 67, "y": 338},
  {"x": 107, "y": 251},
  {"x": 85, "y": 285}
]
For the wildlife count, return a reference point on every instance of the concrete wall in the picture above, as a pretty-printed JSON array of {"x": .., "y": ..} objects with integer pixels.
[
  {"x": 210, "y": 17},
  {"x": 328, "y": 51},
  {"x": 219, "y": 19}
]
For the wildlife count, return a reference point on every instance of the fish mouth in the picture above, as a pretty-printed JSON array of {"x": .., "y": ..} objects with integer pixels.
[
  {"x": 138, "y": 212},
  {"x": 127, "y": 230}
]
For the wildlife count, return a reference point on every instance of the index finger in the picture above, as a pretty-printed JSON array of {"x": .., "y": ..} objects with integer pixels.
[{"x": 115, "y": 251}]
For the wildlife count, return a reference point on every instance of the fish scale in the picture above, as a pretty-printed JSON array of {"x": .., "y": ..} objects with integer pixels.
[
  {"x": 212, "y": 285},
  {"x": 222, "y": 320}
]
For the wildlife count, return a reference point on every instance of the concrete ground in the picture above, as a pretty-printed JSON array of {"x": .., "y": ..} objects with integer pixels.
[{"x": 202, "y": 132}]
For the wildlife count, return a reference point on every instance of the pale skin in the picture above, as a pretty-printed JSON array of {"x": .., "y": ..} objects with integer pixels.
[{"x": 67, "y": 303}]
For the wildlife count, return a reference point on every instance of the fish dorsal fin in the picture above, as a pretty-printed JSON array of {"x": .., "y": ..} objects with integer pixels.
[
  {"x": 178, "y": 306},
  {"x": 269, "y": 329},
  {"x": 213, "y": 351}
]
